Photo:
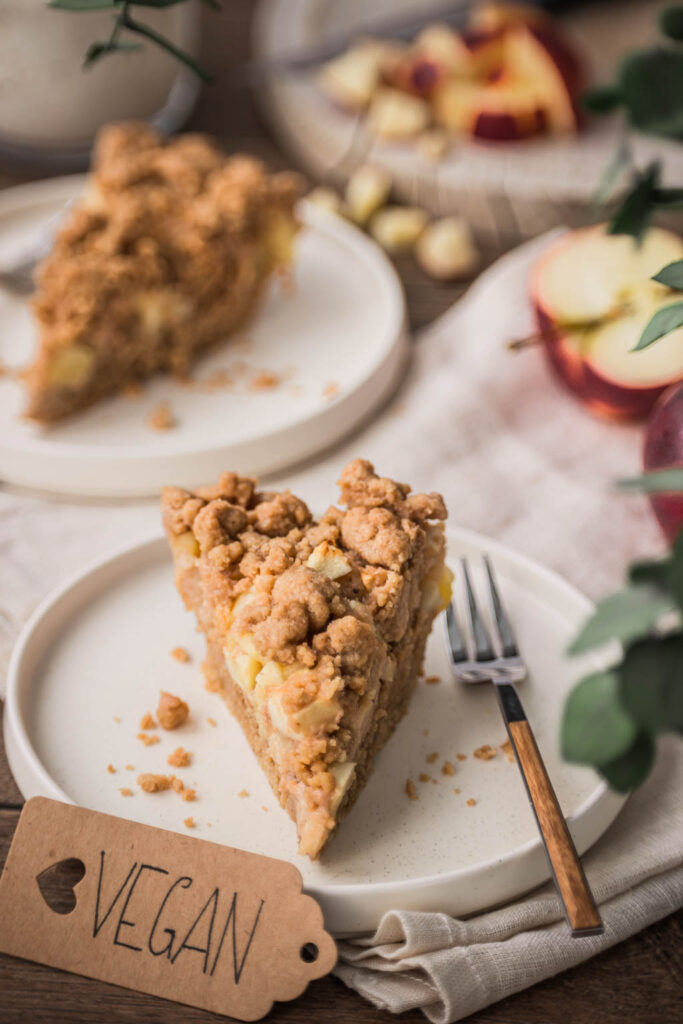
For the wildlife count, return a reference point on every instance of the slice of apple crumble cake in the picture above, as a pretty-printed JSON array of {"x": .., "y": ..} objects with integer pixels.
[
  {"x": 316, "y": 629},
  {"x": 166, "y": 252}
]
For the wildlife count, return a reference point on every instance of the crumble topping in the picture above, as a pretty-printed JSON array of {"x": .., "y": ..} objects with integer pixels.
[
  {"x": 152, "y": 783},
  {"x": 171, "y": 711}
]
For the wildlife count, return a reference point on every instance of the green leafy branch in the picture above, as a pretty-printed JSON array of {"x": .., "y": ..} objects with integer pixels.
[
  {"x": 612, "y": 718},
  {"x": 124, "y": 22}
]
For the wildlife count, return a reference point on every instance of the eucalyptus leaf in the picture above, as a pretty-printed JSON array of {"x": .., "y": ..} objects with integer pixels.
[
  {"x": 624, "y": 616},
  {"x": 671, "y": 22},
  {"x": 651, "y": 683},
  {"x": 658, "y": 481},
  {"x": 620, "y": 160},
  {"x": 97, "y": 50},
  {"x": 602, "y": 99},
  {"x": 665, "y": 320},
  {"x": 635, "y": 210},
  {"x": 596, "y": 728},
  {"x": 671, "y": 275},
  {"x": 84, "y": 5},
  {"x": 166, "y": 44},
  {"x": 651, "y": 83},
  {"x": 667, "y": 197},
  {"x": 632, "y": 768}
]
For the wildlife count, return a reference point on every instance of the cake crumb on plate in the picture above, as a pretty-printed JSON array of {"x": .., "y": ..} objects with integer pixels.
[
  {"x": 448, "y": 768},
  {"x": 180, "y": 654},
  {"x": 125, "y": 791},
  {"x": 456, "y": 790},
  {"x": 180, "y": 758},
  {"x": 461, "y": 757},
  {"x": 485, "y": 752},
  {"x": 172, "y": 711},
  {"x": 433, "y": 679},
  {"x": 423, "y": 777},
  {"x": 471, "y": 802},
  {"x": 212, "y": 721},
  {"x": 111, "y": 769},
  {"x": 411, "y": 791},
  {"x": 148, "y": 739},
  {"x": 147, "y": 721},
  {"x": 189, "y": 823},
  {"x": 431, "y": 758},
  {"x": 243, "y": 792},
  {"x": 162, "y": 417},
  {"x": 130, "y": 767},
  {"x": 152, "y": 783}
]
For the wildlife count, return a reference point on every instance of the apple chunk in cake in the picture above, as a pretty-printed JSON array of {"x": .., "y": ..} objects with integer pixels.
[
  {"x": 166, "y": 252},
  {"x": 316, "y": 629}
]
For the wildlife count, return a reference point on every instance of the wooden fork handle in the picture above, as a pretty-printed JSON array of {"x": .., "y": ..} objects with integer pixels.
[{"x": 579, "y": 905}]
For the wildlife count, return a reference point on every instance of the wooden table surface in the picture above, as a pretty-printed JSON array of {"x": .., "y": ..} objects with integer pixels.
[{"x": 637, "y": 982}]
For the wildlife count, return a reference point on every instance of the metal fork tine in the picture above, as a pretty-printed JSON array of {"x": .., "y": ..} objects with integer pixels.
[
  {"x": 456, "y": 642},
  {"x": 482, "y": 643},
  {"x": 507, "y": 639}
]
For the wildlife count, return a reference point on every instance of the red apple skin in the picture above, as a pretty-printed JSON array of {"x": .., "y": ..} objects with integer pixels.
[
  {"x": 663, "y": 449},
  {"x": 498, "y": 126},
  {"x": 601, "y": 396}
]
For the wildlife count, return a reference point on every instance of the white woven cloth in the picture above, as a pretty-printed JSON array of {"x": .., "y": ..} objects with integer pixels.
[{"x": 519, "y": 460}]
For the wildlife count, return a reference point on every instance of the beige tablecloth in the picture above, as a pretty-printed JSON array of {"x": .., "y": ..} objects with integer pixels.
[{"x": 519, "y": 460}]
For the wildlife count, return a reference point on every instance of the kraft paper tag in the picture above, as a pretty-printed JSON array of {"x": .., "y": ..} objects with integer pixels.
[{"x": 178, "y": 917}]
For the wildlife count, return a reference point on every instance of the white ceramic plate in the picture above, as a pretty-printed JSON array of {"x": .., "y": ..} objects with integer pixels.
[
  {"x": 99, "y": 650},
  {"x": 343, "y": 324}
]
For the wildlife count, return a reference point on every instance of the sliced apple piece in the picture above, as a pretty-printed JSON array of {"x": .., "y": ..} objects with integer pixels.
[
  {"x": 539, "y": 57},
  {"x": 397, "y": 115},
  {"x": 350, "y": 79},
  {"x": 368, "y": 188},
  {"x": 397, "y": 228},
  {"x": 455, "y": 105},
  {"x": 593, "y": 296},
  {"x": 446, "y": 249}
]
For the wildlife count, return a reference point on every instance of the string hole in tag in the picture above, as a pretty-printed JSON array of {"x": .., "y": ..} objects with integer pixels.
[
  {"x": 309, "y": 953},
  {"x": 58, "y": 882}
]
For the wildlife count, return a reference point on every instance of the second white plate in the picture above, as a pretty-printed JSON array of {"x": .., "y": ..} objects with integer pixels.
[
  {"x": 335, "y": 343},
  {"x": 92, "y": 661}
]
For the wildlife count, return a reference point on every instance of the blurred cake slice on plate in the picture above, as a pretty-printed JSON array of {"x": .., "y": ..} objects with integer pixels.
[
  {"x": 166, "y": 253},
  {"x": 316, "y": 629}
]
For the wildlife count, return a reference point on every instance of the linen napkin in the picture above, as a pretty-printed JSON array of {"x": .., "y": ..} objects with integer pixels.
[{"x": 515, "y": 458}]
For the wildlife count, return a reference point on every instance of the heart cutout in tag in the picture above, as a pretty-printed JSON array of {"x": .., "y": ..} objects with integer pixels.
[{"x": 58, "y": 882}]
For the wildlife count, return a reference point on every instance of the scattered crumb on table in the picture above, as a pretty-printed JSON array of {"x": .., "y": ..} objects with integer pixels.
[
  {"x": 243, "y": 792},
  {"x": 171, "y": 710},
  {"x": 148, "y": 739},
  {"x": 447, "y": 768},
  {"x": 111, "y": 769},
  {"x": 431, "y": 758},
  {"x": 212, "y": 721},
  {"x": 411, "y": 791},
  {"x": 152, "y": 783},
  {"x": 147, "y": 721},
  {"x": 461, "y": 757},
  {"x": 433, "y": 679},
  {"x": 423, "y": 777},
  {"x": 162, "y": 417},
  {"x": 180, "y": 654},
  {"x": 471, "y": 802},
  {"x": 125, "y": 791},
  {"x": 180, "y": 758},
  {"x": 189, "y": 823},
  {"x": 485, "y": 752}
]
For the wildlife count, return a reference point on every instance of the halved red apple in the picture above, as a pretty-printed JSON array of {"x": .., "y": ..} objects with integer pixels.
[
  {"x": 593, "y": 295},
  {"x": 539, "y": 57}
]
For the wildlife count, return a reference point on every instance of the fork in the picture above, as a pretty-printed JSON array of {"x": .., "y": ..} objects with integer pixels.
[{"x": 498, "y": 661}]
